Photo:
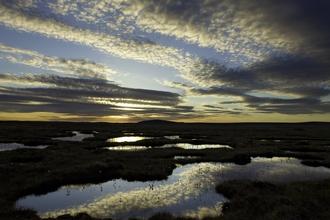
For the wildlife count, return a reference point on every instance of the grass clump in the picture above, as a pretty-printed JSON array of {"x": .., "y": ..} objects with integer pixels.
[{"x": 265, "y": 201}]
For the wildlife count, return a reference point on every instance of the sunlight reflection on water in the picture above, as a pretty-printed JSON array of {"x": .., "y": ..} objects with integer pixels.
[
  {"x": 189, "y": 191},
  {"x": 196, "y": 146},
  {"x": 179, "y": 145},
  {"x": 127, "y": 139}
]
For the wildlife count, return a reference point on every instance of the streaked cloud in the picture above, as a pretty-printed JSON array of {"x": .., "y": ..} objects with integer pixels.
[
  {"x": 77, "y": 67},
  {"x": 144, "y": 51},
  {"x": 225, "y": 25},
  {"x": 93, "y": 97},
  {"x": 255, "y": 29},
  {"x": 138, "y": 49}
]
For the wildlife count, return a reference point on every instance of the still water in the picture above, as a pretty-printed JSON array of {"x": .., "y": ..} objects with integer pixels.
[
  {"x": 128, "y": 148},
  {"x": 172, "y": 137},
  {"x": 178, "y": 145},
  {"x": 127, "y": 139},
  {"x": 196, "y": 146},
  {"x": 186, "y": 157},
  {"x": 132, "y": 138},
  {"x": 14, "y": 146},
  {"x": 189, "y": 191},
  {"x": 76, "y": 137}
]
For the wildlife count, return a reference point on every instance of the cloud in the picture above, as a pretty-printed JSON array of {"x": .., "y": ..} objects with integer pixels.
[
  {"x": 283, "y": 49},
  {"x": 287, "y": 106},
  {"x": 273, "y": 72},
  {"x": 144, "y": 51},
  {"x": 287, "y": 85},
  {"x": 212, "y": 24},
  {"x": 254, "y": 104},
  {"x": 194, "y": 69},
  {"x": 255, "y": 29},
  {"x": 286, "y": 43},
  {"x": 106, "y": 14},
  {"x": 22, "y": 4},
  {"x": 216, "y": 109},
  {"x": 249, "y": 30},
  {"x": 77, "y": 67},
  {"x": 138, "y": 49},
  {"x": 93, "y": 97},
  {"x": 237, "y": 27}
]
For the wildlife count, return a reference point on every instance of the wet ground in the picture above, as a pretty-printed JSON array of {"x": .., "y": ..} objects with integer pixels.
[{"x": 126, "y": 170}]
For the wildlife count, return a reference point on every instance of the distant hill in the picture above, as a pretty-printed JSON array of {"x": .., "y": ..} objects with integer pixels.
[{"x": 156, "y": 122}]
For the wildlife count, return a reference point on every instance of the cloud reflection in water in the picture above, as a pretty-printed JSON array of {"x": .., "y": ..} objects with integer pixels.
[{"x": 189, "y": 191}]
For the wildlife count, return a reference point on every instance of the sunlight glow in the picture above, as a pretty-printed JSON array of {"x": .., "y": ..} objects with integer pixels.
[{"x": 125, "y": 103}]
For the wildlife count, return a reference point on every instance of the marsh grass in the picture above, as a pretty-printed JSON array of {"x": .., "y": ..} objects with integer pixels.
[
  {"x": 31, "y": 171},
  {"x": 265, "y": 201}
]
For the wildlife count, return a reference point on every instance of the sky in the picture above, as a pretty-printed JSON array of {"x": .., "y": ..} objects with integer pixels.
[{"x": 179, "y": 60}]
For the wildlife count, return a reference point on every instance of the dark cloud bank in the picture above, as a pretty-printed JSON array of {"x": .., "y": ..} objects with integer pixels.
[
  {"x": 303, "y": 73},
  {"x": 85, "y": 97}
]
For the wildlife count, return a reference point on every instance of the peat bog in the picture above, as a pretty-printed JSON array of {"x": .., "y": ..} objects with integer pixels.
[{"x": 36, "y": 173}]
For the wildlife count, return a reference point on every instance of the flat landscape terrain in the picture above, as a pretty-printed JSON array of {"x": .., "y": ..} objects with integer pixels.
[{"x": 256, "y": 170}]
